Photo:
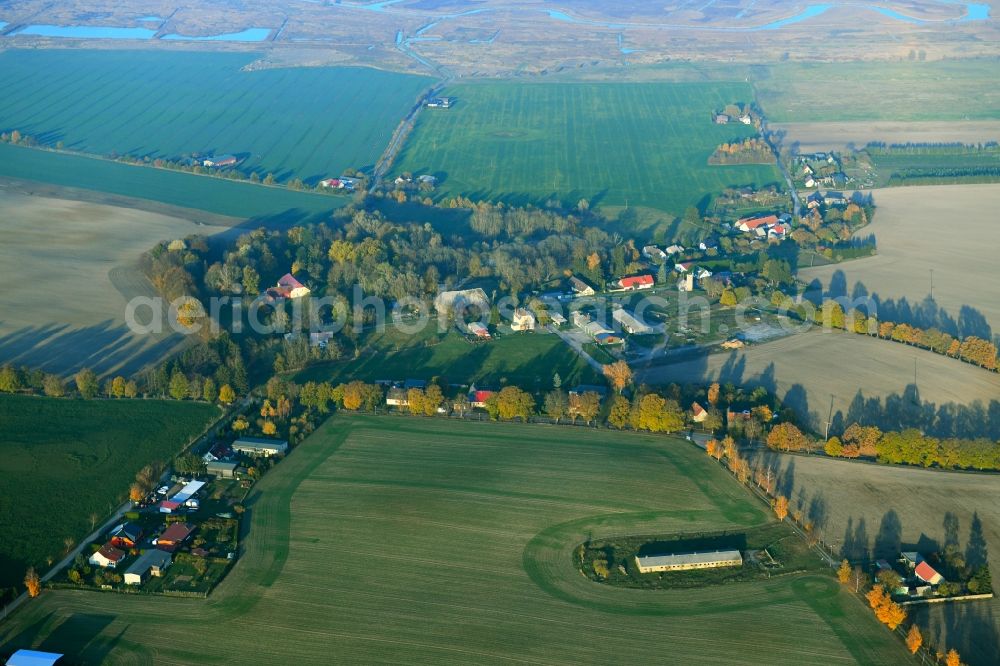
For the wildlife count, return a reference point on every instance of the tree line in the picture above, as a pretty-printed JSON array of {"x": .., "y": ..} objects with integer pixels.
[{"x": 970, "y": 349}]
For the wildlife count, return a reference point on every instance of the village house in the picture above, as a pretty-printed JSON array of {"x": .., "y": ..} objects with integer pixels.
[
  {"x": 698, "y": 413},
  {"x": 556, "y": 318},
  {"x": 810, "y": 182},
  {"x": 928, "y": 574},
  {"x": 256, "y": 446},
  {"x": 601, "y": 334},
  {"x": 151, "y": 563},
  {"x": 427, "y": 179},
  {"x": 173, "y": 537},
  {"x": 710, "y": 243},
  {"x": 654, "y": 253},
  {"x": 219, "y": 161},
  {"x": 636, "y": 282},
  {"x": 107, "y": 557},
  {"x": 630, "y": 323},
  {"x": 686, "y": 283},
  {"x": 758, "y": 225},
  {"x": 221, "y": 469},
  {"x": 479, "y": 330},
  {"x": 684, "y": 267},
  {"x": 580, "y": 288},
  {"x": 288, "y": 287},
  {"x": 331, "y": 183},
  {"x": 523, "y": 320},
  {"x": 675, "y": 249},
  {"x": 126, "y": 535},
  {"x": 478, "y": 397},
  {"x": 579, "y": 319},
  {"x": 720, "y": 119},
  {"x": 397, "y": 397}
]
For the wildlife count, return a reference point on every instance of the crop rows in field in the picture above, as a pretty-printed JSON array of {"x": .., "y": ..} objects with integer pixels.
[
  {"x": 403, "y": 539},
  {"x": 613, "y": 144},
  {"x": 307, "y": 123}
]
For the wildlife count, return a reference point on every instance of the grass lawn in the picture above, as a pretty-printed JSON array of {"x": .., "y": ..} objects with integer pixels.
[
  {"x": 63, "y": 460},
  {"x": 643, "y": 144},
  {"x": 304, "y": 122},
  {"x": 424, "y": 540},
  {"x": 528, "y": 360}
]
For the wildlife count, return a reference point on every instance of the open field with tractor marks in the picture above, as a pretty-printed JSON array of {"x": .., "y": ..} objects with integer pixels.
[
  {"x": 308, "y": 123},
  {"x": 936, "y": 253},
  {"x": 452, "y": 543},
  {"x": 612, "y": 144}
]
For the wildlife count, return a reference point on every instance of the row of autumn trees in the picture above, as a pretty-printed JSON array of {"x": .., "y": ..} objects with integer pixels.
[
  {"x": 87, "y": 385},
  {"x": 906, "y": 447},
  {"x": 887, "y": 611},
  {"x": 970, "y": 349},
  {"x": 911, "y": 447}
]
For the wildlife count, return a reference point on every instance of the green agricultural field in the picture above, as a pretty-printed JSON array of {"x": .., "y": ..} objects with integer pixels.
[
  {"x": 646, "y": 144},
  {"x": 528, "y": 360},
  {"x": 63, "y": 460},
  {"x": 936, "y": 169},
  {"x": 308, "y": 122},
  {"x": 215, "y": 195},
  {"x": 434, "y": 541}
]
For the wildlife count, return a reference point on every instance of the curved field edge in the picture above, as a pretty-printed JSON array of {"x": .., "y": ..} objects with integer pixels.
[{"x": 394, "y": 539}]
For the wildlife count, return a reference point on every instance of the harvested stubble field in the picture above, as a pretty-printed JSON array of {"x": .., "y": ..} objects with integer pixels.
[
  {"x": 419, "y": 540},
  {"x": 73, "y": 268},
  {"x": 950, "y": 229},
  {"x": 308, "y": 123},
  {"x": 641, "y": 144},
  {"x": 820, "y": 374},
  {"x": 62, "y": 460},
  {"x": 823, "y": 136},
  {"x": 869, "y": 507}
]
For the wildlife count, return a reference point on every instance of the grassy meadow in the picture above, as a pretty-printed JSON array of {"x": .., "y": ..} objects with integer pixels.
[
  {"x": 646, "y": 145},
  {"x": 864, "y": 91},
  {"x": 432, "y": 541},
  {"x": 528, "y": 360},
  {"x": 304, "y": 122},
  {"x": 63, "y": 460}
]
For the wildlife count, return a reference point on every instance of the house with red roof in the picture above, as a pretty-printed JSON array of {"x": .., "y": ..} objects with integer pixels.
[
  {"x": 478, "y": 398},
  {"x": 698, "y": 413},
  {"x": 636, "y": 282},
  {"x": 173, "y": 537},
  {"x": 107, "y": 557},
  {"x": 757, "y": 225},
  {"x": 927, "y": 573},
  {"x": 288, "y": 287}
]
